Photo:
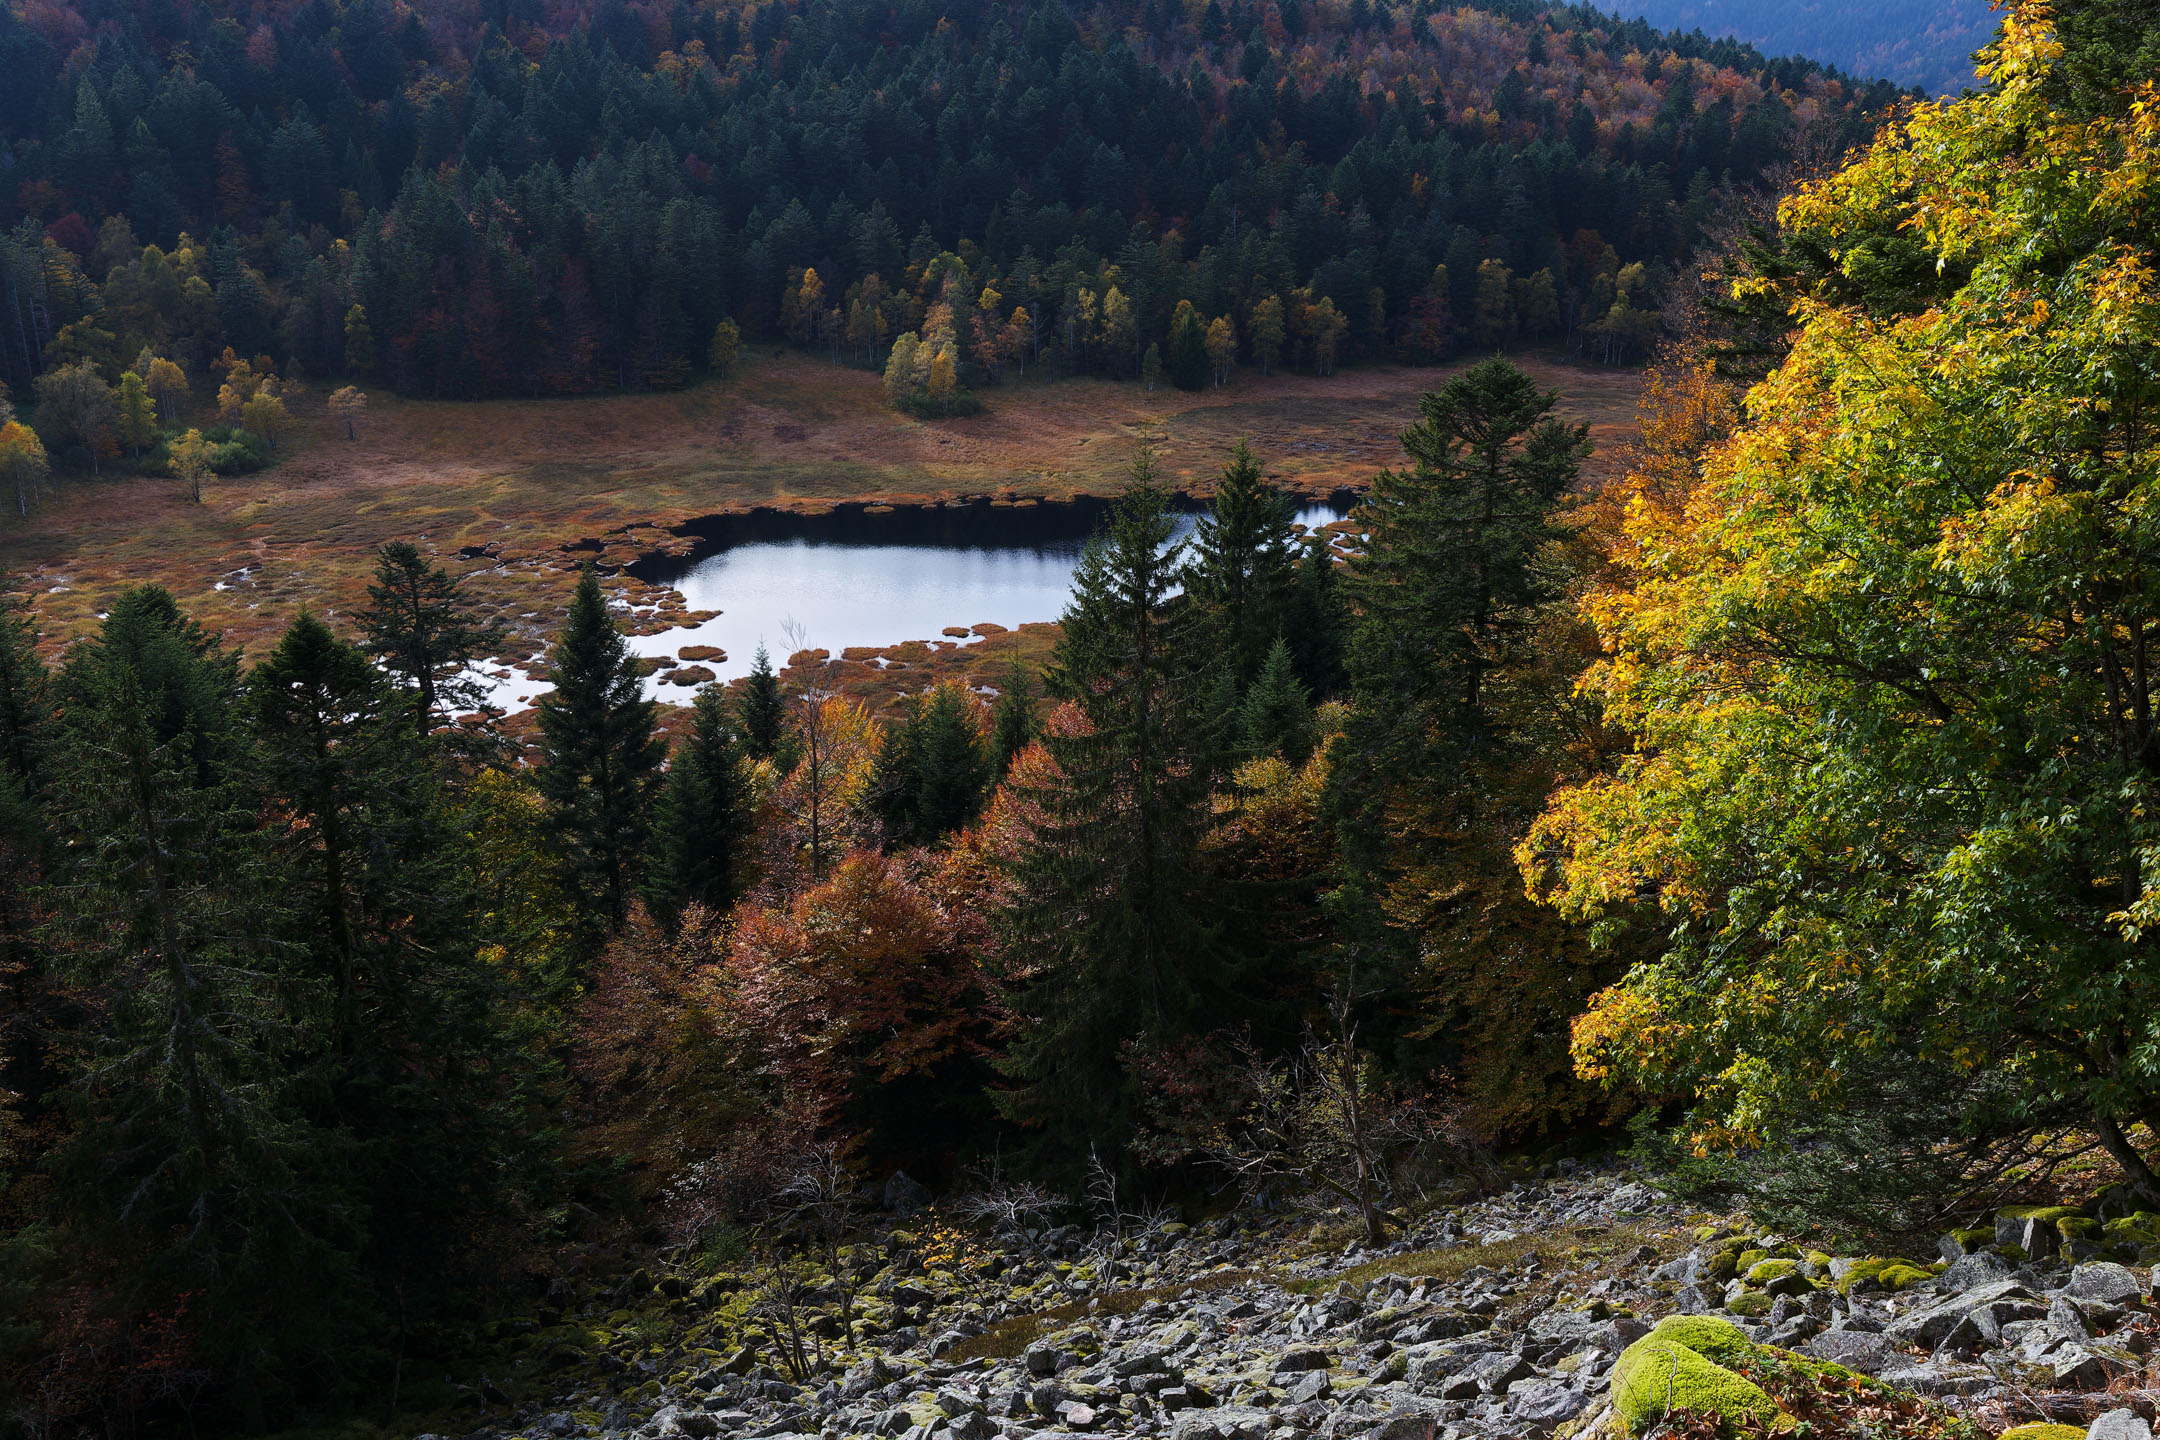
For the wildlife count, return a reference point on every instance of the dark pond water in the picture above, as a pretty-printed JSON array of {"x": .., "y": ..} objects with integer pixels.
[{"x": 853, "y": 577}]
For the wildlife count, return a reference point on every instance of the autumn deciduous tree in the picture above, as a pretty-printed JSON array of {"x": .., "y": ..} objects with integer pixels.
[
  {"x": 135, "y": 414},
  {"x": 76, "y": 404},
  {"x": 726, "y": 346},
  {"x": 22, "y": 462},
  {"x": 349, "y": 404},
  {"x": 859, "y": 984},
  {"x": 1897, "y": 755},
  {"x": 189, "y": 459}
]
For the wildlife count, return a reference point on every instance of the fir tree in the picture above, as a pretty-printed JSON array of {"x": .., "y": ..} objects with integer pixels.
[
  {"x": 1276, "y": 718},
  {"x": 1243, "y": 567},
  {"x": 600, "y": 757},
  {"x": 701, "y": 826},
  {"x": 931, "y": 770},
  {"x": 1014, "y": 723},
  {"x": 952, "y": 768},
  {"x": 763, "y": 709},
  {"x": 1317, "y": 620},
  {"x": 169, "y": 908},
  {"x": 1109, "y": 916},
  {"x": 896, "y": 774},
  {"x": 426, "y": 634},
  {"x": 377, "y": 889}
]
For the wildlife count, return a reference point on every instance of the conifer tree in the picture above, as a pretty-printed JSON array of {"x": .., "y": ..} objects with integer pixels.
[
  {"x": 952, "y": 768},
  {"x": 701, "y": 825},
  {"x": 1109, "y": 917},
  {"x": 168, "y": 908},
  {"x": 376, "y": 887},
  {"x": 1242, "y": 566},
  {"x": 1276, "y": 718},
  {"x": 1318, "y": 620},
  {"x": 763, "y": 710},
  {"x": 1014, "y": 723},
  {"x": 600, "y": 758},
  {"x": 426, "y": 633}
]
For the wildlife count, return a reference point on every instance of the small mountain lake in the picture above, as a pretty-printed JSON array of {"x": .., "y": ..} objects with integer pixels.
[{"x": 871, "y": 575}]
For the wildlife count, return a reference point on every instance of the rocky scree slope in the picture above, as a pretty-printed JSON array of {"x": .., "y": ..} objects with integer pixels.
[{"x": 1510, "y": 1316}]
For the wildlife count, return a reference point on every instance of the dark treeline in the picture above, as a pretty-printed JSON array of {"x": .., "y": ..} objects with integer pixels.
[
  {"x": 327, "y": 1021},
  {"x": 532, "y": 203}
]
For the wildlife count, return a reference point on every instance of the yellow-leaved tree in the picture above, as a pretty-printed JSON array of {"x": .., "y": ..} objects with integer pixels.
[{"x": 1888, "y": 656}]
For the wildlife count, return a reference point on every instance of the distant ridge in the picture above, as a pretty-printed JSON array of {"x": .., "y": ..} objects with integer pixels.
[{"x": 1927, "y": 43}]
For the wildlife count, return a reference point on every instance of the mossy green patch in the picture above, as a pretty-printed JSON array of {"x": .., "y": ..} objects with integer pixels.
[
  {"x": 2078, "y": 1227},
  {"x": 2043, "y": 1430},
  {"x": 2036, "y": 1212},
  {"x": 1764, "y": 1271},
  {"x": 1656, "y": 1376},
  {"x": 1751, "y": 1303}
]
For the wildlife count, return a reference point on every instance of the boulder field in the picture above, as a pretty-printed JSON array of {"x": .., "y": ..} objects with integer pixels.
[{"x": 1583, "y": 1305}]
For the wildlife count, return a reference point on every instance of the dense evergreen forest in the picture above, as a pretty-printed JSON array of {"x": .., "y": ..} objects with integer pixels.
[{"x": 522, "y": 200}]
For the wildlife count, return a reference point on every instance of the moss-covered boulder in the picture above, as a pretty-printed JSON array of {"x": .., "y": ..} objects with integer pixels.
[
  {"x": 2043, "y": 1430},
  {"x": 1752, "y": 1303},
  {"x": 1658, "y": 1375}
]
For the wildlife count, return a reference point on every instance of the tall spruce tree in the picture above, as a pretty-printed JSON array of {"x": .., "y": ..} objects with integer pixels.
[
  {"x": 376, "y": 888},
  {"x": 700, "y": 847},
  {"x": 600, "y": 758},
  {"x": 1109, "y": 918},
  {"x": 1450, "y": 747},
  {"x": 763, "y": 709},
  {"x": 1014, "y": 723},
  {"x": 1447, "y": 577},
  {"x": 1318, "y": 622},
  {"x": 931, "y": 769},
  {"x": 426, "y": 633},
  {"x": 197, "y": 1162},
  {"x": 1243, "y": 566},
  {"x": 1276, "y": 717}
]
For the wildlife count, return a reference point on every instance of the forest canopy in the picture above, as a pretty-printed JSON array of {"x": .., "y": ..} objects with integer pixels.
[{"x": 520, "y": 201}]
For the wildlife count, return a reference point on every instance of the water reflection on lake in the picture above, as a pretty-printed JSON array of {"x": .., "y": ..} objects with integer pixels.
[{"x": 852, "y": 577}]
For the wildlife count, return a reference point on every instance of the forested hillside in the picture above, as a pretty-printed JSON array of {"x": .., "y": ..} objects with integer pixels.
[
  {"x": 519, "y": 200},
  {"x": 1925, "y": 43}
]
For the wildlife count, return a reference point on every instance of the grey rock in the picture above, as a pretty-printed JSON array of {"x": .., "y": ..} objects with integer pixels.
[
  {"x": 1543, "y": 1404},
  {"x": 1562, "y": 1325},
  {"x": 1041, "y": 1361},
  {"x": 1494, "y": 1373},
  {"x": 1231, "y": 1422},
  {"x": 1409, "y": 1425},
  {"x": 1690, "y": 1300},
  {"x": 2066, "y": 1323},
  {"x": 1681, "y": 1271},
  {"x": 903, "y": 1195},
  {"x": 1981, "y": 1267},
  {"x": 2081, "y": 1367},
  {"x": 2119, "y": 1425},
  {"x": 2105, "y": 1281},
  {"x": 974, "y": 1426},
  {"x": 1312, "y": 1385},
  {"x": 953, "y": 1402},
  {"x": 2033, "y": 1236},
  {"x": 1615, "y": 1335},
  {"x": 1077, "y": 1414},
  {"x": 1925, "y": 1328},
  {"x": 1292, "y": 1362},
  {"x": 1852, "y": 1349}
]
